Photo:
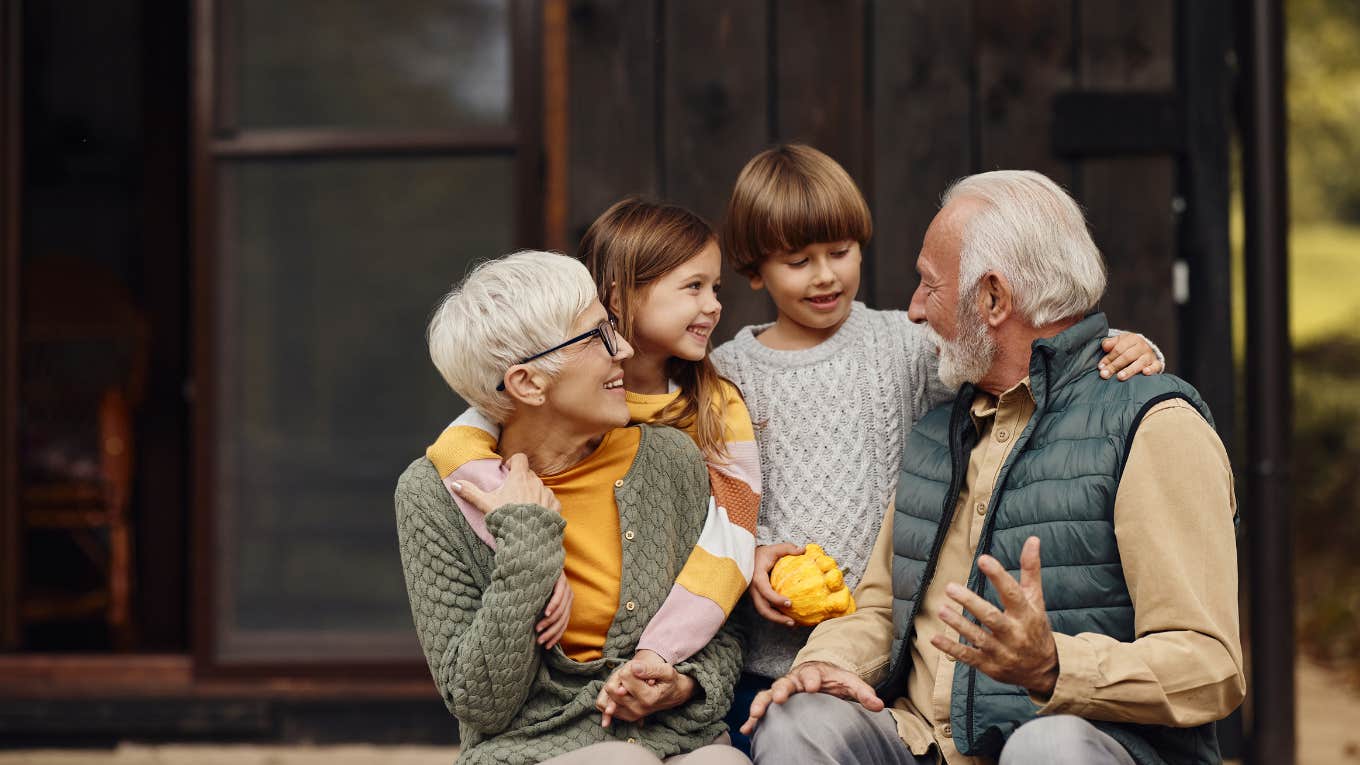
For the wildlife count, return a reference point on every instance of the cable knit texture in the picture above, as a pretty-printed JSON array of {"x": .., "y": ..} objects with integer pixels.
[
  {"x": 830, "y": 423},
  {"x": 475, "y": 607}
]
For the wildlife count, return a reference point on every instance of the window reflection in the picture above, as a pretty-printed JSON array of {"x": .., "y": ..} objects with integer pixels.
[{"x": 414, "y": 64}]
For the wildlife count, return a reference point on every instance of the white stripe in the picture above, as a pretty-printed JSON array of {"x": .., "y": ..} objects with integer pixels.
[
  {"x": 474, "y": 419},
  {"x": 726, "y": 539}
]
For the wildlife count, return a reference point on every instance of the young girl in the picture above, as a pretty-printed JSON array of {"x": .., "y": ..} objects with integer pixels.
[{"x": 658, "y": 268}]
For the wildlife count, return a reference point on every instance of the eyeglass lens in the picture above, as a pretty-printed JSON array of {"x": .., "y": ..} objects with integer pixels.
[{"x": 609, "y": 338}]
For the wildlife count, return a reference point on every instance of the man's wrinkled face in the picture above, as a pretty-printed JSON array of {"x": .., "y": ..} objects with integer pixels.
[{"x": 952, "y": 315}]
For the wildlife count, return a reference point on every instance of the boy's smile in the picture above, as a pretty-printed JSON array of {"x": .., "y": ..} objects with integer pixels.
[{"x": 813, "y": 290}]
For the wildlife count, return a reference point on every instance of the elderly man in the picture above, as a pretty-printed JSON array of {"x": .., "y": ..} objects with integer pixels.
[{"x": 1056, "y": 581}]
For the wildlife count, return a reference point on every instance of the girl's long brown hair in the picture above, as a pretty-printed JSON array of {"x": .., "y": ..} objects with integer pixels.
[{"x": 632, "y": 244}]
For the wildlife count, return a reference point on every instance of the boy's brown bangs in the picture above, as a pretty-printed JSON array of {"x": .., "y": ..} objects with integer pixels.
[{"x": 801, "y": 210}]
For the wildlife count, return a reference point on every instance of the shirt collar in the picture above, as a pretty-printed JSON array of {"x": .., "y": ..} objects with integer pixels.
[{"x": 985, "y": 404}]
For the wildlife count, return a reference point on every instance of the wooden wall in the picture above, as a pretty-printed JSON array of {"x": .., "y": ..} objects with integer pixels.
[{"x": 671, "y": 98}]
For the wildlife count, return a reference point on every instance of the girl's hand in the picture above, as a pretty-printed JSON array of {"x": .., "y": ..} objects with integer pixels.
[
  {"x": 521, "y": 487},
  {"x": 556, "y": 614},
  {"x": 763, "y": 596},
  {"x": 1128, "y": 354}
]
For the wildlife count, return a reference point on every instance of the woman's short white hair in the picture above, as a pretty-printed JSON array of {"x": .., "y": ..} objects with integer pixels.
[
  {"x": 1032, "y": 232},
  {"x": 507, "y": 309}
]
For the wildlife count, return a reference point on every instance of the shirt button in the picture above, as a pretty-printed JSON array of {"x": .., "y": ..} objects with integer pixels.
[
  {"x": 981, "y": 508},
  {"x": 1002, "y": 435},
  {"x": 630, "y": 605},
  {"x": 948, "y": 731},
  {"x": 632, "y": 740},
  {"x": 629, "y": 535},
  {"x": 618, "y": 484}
]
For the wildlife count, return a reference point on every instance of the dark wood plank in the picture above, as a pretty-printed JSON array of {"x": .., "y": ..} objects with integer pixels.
[
  {"x": 160, "y": 583},
  {"x": 1098, "y": 123},
  {"x": 555, "y": 115},
  {"x": 714, "y": 96},
  {"x": 1024, "y": 57},
  {"x": 1206, "y": 82},
  {"x": 11, "y": 180},
  {"x": 613, "y": 58},
  {"x": 819, "y": 64},
  {"x": 922, "y": 56},
  {"x": 1128, "y": 200},
  {"x": 202, "y": 391},
  {"x": 526, "y": 61}
]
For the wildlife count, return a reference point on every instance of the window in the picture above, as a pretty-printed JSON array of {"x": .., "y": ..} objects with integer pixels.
[{"x": 353, "y": 159}]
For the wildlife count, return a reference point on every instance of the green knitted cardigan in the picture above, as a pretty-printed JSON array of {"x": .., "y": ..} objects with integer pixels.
[{"x": 475, "y": 608}]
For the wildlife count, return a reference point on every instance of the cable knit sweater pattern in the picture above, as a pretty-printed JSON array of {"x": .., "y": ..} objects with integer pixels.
[
  {"x": 830, "y": 424},
  {"x": 475, "y": 607}
]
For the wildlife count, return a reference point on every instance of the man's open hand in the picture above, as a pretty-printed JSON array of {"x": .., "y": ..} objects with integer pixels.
[{"x": 1013, "y": 646}]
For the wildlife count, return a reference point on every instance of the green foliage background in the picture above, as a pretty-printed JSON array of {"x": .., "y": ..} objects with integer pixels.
[
  {"x": 1323, "y": 71},
  {"x": 1323, "y": 80}
]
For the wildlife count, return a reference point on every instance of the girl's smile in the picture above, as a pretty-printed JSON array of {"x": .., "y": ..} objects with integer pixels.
[{"x": 677, "y": 312}]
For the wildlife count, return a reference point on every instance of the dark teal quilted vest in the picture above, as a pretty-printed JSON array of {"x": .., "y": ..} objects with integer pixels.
[{"x": 1059, "y": 484}]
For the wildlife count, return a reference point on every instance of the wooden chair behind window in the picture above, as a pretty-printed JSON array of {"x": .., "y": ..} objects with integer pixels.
[{"x": 87, "y": 345}]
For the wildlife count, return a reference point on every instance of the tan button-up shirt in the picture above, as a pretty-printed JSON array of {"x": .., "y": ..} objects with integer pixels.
[{"x": 1173, "y": 523}]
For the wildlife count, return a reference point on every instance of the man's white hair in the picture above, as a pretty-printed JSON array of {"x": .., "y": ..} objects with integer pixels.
[
  {"x": 507, "y": 309},
  {"x": 1033, "y": 233}
]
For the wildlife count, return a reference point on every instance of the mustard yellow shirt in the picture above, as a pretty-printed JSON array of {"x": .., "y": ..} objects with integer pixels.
[{"x": 594, "y": 554}]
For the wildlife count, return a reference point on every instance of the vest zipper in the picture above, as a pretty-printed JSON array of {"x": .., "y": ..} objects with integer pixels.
[
  {"x": 989, "y": 525},
  {"x": 946, "y": 518}
]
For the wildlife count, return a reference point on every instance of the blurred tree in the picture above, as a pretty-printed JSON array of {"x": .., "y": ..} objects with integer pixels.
[{"x": 1323, "y": 71}]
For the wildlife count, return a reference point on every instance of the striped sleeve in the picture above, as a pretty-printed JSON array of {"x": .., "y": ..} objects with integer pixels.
[
  {"x": 719, "y": 568},
  {"x": 466, "y": 451}
]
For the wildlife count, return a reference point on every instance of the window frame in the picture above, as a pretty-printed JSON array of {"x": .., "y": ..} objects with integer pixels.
[
  {"x": 11, "y": 243},
  {"x": 214, "y": 141}
]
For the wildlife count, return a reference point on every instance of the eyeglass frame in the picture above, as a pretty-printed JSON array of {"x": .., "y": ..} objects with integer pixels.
[{"x": 610, "y": 345}]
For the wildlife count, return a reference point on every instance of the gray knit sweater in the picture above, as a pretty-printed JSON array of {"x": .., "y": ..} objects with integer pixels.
[
  {"x": 830, "y": 423},
  {"x": 475, "y": 608}
]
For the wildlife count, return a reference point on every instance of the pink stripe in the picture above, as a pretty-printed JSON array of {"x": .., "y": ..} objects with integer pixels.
[
  {"x": 683, "y": 625},
  {"x": 487, "y": 475},
  {"x": 744, "y": 464}
]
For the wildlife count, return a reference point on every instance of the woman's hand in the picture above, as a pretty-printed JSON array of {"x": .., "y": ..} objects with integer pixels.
[
  {"x": 763, "y": 596},
  {"x": 556, "y": 614},
  {"x": 642, "y": 686},
  {"x": 1127, "y": 354},
  {"x": 521, "y": 487}
]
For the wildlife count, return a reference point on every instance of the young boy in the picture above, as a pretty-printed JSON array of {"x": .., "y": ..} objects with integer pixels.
[{"x": 833, "y": 386}]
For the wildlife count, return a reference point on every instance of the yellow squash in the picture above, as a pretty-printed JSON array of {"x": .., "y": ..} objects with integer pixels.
[{"x": 814, "y": 585}]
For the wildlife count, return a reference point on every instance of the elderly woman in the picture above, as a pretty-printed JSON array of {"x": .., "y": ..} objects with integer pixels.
[{"x": 485, "y": 539}]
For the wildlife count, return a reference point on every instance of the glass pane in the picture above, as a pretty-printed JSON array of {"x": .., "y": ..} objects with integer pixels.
[
  {"x": 366, "y": 64},
  {"x": 328, "y": 271}
]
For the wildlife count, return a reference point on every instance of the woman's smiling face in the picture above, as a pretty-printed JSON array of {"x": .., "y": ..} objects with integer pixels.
[{"x": 589, "y": 390}]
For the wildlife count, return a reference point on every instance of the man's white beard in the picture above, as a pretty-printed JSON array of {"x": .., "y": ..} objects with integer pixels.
[{"x": 968, "y": 357}]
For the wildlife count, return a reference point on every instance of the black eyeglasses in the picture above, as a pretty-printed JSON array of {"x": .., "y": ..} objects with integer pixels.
[{"x": 607, "y": 331}]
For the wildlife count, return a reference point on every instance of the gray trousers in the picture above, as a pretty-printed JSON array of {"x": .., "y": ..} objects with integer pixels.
[
  {"x": 720, "y": 752},
  {"x": 819, "y": 728}
]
